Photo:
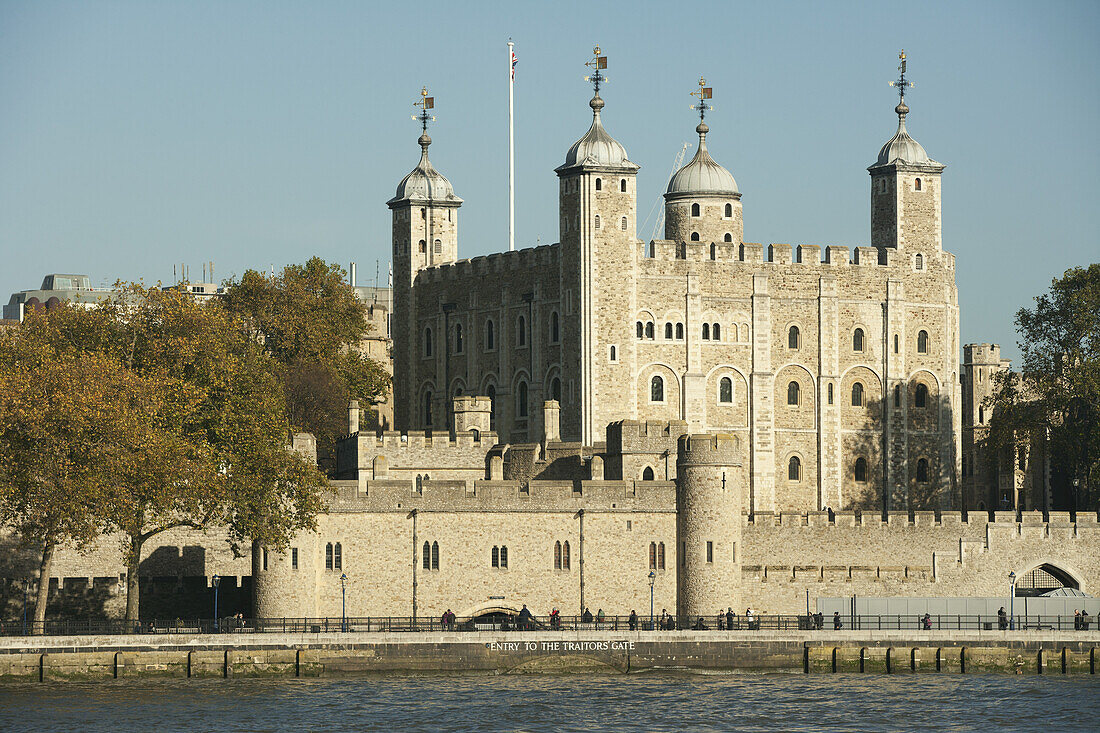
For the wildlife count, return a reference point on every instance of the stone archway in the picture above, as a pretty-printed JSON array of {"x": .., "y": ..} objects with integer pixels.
[{"x": 1043, "y": 578}]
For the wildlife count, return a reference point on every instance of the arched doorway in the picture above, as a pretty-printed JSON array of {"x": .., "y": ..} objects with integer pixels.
[{"x": 1044, "y": 579}]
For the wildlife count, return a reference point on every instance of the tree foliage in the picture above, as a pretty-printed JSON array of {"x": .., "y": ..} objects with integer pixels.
[
  {"x": 311, "y": 321},
  {"x": 1055, "y": 396}
]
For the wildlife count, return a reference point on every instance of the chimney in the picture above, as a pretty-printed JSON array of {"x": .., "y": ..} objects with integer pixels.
[
  {"x": 551, "y": 421},
  {"x": 353, "y": 417},
  {"x": 351, "y": 274}
]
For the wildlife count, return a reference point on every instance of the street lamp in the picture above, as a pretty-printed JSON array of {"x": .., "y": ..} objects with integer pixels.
[
  {"x": 1076, "y": 487},
  {"x": 1011, "y": 599},
  {"x": 216, "y": 580},
  {"x": 343, "y": 601},
  {"x": 652, "y": 577}
]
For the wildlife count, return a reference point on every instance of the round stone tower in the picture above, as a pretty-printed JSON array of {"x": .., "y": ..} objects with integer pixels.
[{"x": 708, "y": 525}]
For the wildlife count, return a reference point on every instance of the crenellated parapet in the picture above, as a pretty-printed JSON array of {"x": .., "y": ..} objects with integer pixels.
[{"x": 493, "y": 265}]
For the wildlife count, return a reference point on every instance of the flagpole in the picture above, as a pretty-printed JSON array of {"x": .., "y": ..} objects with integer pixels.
[{"x": 511, "y": 155}]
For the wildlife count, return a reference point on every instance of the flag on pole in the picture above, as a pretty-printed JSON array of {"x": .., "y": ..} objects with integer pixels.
[{"x": 513, "y": 65}]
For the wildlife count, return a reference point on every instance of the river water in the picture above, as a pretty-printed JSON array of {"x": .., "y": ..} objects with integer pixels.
[{"x": 644, "y": 702}]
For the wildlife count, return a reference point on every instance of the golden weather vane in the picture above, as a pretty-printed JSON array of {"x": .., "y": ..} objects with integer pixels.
[
  {"x": 425, "y": 103},
  {"x": 703, "y": 93},
  {"x": 901, "y": 82},
  {"x": 598, "y": 62}
]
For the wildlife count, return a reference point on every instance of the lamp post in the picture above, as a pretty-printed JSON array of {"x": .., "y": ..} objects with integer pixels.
[
  {"x": 1011, "y": 599},
  {"x": 215, "y": 581},
  {"x": 1076, "y": 488},
  {"x": 652, "y": 578},
  {"x": 343, "y": 601},
  {"x": 25, "y": 582}
]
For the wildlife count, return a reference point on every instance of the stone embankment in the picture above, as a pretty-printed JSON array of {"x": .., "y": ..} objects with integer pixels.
[{"x": 333, "y": 654}]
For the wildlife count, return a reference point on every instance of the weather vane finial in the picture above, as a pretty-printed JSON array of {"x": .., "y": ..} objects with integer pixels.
[
  {"x": 704, "y": 93},
  {"x": 598, "y": 62},
  {"x": 425, "y": 103},
  {"x": 901, "y": 82}
]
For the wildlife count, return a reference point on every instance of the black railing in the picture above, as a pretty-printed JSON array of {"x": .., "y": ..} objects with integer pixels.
[{"x": 740, "y": 622}]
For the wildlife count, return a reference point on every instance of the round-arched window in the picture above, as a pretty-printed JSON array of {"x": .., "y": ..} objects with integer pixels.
[
  {"x": 656, "y": 389},
  {"x": 725, "y": 390}
]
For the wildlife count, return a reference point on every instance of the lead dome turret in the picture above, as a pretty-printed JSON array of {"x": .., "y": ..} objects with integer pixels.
[
  {"x": 703, "y": 175},
  {"x": 424, "y": 184},
  {"x": 596, "y": 148},
  {"x": 902, "y": 148},
  {"x": 702, "y": 202}
]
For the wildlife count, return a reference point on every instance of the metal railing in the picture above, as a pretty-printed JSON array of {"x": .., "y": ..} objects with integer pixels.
[{"x": 740, "y": 622}]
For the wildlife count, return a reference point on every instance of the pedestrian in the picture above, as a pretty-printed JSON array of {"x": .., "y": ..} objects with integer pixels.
[
  {"x": 663, "y": 621},
  {"x": 819, "y": 620},
  {"x": 1084, "y": 619},
  {"x": 836, "y": 621},
  {"x": 1002, "y": 618},
  {"x": 1076, "y": 620},
  {"x": 699, "y": 625},
  {"x": 927, "y": 622},
  {"x": 555, "y": 618},
  {"x": 586, "y": 617},
  {"x": 599, "y": 618},
  {"x": 729, "y": 618},
  {"x": 524, "y": 619},
  {"x": 721, "y": 620},
  {"x": 632, "y": 622}
]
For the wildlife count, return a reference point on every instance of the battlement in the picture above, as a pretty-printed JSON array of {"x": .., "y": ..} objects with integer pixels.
[
  {"x": 503, "y": 496},
  {"x": 954, "y": 520},
  {"x": 651, "y": 436},
  {"x": 985, "y": 354},
  {"x": 709, "y": 448},
  {"x": 495, "y": 264},
  {"x": 808, "y": 255},
  {"x": 427, "y": 439}
]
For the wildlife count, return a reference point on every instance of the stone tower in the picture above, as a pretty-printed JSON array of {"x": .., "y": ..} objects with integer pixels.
[
  {"x": 708, "y": 524},
  {"x": 425, "y": 233},
  {"x": 905, "y": 192},
  {"x": 981, "y": 362},
  {"x": 598, "y": 216}
]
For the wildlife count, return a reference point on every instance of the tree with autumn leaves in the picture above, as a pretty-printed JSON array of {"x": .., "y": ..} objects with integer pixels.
[{"x": 147, "y": 412}]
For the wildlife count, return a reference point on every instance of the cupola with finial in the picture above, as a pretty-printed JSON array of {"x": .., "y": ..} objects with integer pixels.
[
  {"x": 905, "y": 188},
  {"x": 702, "y": 203}
]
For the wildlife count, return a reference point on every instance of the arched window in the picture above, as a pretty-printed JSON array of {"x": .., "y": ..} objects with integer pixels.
[
  {"x": 458, "y": 338},
  {"x": 657, "y": 389},
  {"x": 679, "y": 332},
  {"x": 521, "y": 331},
  {"x": 713, "y": 251},
  {"x": 981, "y": 415},
  {"x": 622, "y": 185},
  {"x": 427, "y": 562},
  {"x": 491, "y": 392},
  {"x": 599, "y": 184},
  {"x": 597, "y": 221},
  {"x": 337, "y": 557},
  {"x": 921, "y": 397},
  {"x": 565, "y": 555},
  {"x": 427, "y": 342},
  {"x": 622, "y": 223},
  {"x": 922, "y": 470},
  {"x": 423, "y": 246},
  {"x": 793, "y": 393},
  {"x": 504, "y": 556},
  {"x": 438, "y": 246},
  {"x": 614, "y": 354},
  {"x": 725, "y": 390},
  {"x": 423, "y": 213},
  {"x": 649, "y": 330},
  {"x": 521, "y": 399},
  {"x": 668, "y": 331},
  {"x": 496, "y": 556},
  {"x": 490, "y": 335},
  {"x": 895, "y": 343},
  {"x": 729, "y": 210},
  {"x": 640, "y": 328},
  {"x": 861, "y": 469},
  {"x": 328, "y": 556},
  {"x": 428, "y": 409},
  {"x": 652, "y": 555},
  {"x": 647, "y": 474},
  {"x": 660, "y": 555},
  {"x": 916, "y": 184},
  {"x": 419, "y": 484},
  {"x": 695, "y": 236},
  {"x": 830, "y": 393},
  {"x": 728, "y": 237},
  {"x": 794, "y": 469},
  {"x": 555, "y": 330},
  {"x": 857, "y": 395},
  {"x": 695, "y": 209},
  {"x": 857, "y": 340},
  {"x": 922, "y": 342},
  {"x": 716, "y": 332},
  {"x": 706, "y": 331},
  {"x": 557, "y": 556},
  {"x": 794, "y": 338},
  {"x": 555, "y": 389},
  {"x": 897, "y": 395},
  {"x": 919, "y": 261}
]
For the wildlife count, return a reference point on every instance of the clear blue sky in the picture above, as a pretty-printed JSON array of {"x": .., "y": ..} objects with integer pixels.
[{"x": 135, "y": 135}]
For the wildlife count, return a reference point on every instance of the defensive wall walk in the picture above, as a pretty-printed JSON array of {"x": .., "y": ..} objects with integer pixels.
[{"x": 83, "y": 658}]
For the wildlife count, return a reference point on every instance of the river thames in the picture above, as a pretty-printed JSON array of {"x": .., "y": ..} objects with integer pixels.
[{"x": 645, "y": 702}]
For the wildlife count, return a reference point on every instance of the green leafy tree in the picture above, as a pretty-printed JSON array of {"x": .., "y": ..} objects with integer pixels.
[
  {"x": 310, "y": 320},
  {"x": 1055, "y": 396}
]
